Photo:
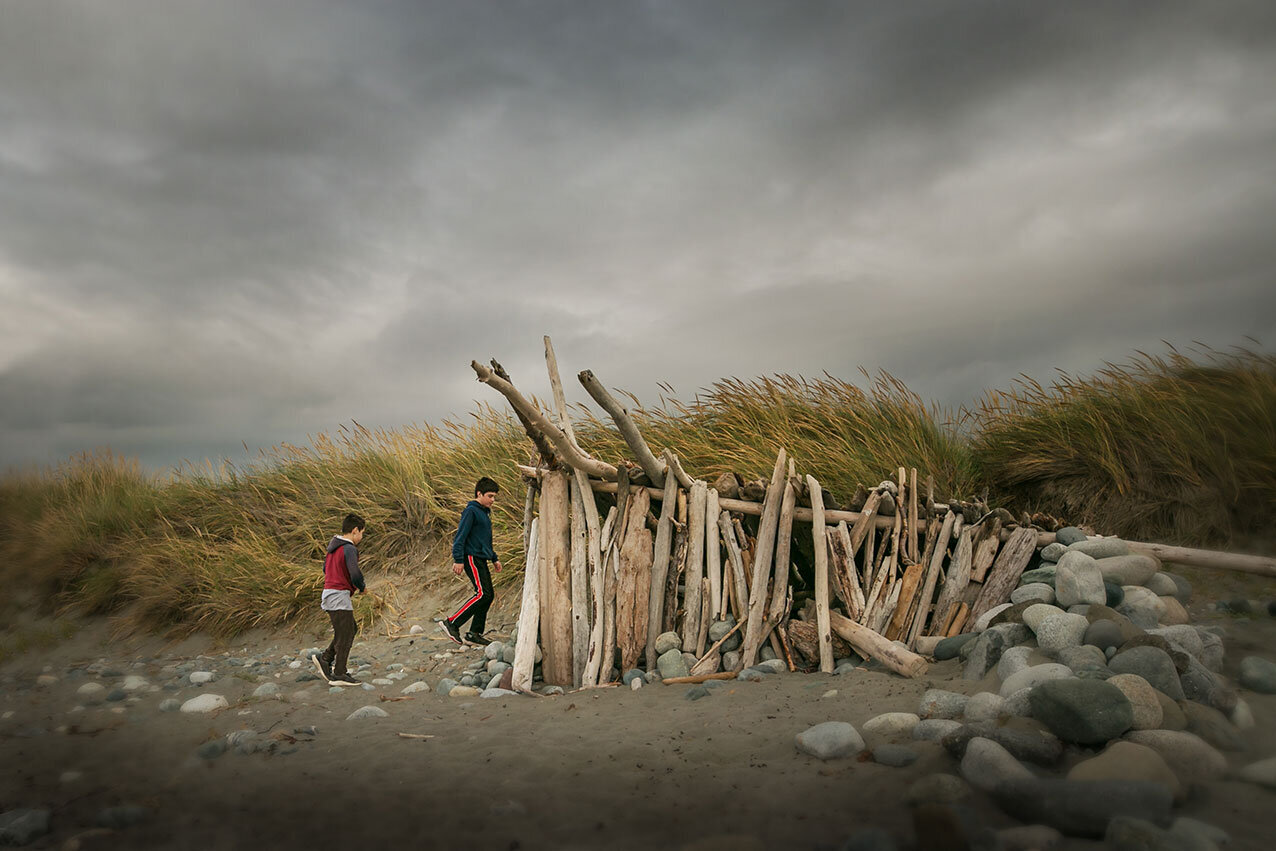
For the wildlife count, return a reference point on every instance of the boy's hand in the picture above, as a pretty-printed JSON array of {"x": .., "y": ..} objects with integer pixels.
[
  {"x": 458, "y": 568},
  {"x": 497, "y": 565}
]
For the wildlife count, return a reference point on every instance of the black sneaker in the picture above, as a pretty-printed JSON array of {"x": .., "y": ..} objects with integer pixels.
[
  {"x": 344, "y": 680},
  {"x": 476, "y": 638},
  {"x": 452, "y": 632},
  {"x": 324, "y": 668}
]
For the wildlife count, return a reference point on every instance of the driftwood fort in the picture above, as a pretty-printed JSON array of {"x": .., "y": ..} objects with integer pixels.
[{"x": 620, "y": 555}]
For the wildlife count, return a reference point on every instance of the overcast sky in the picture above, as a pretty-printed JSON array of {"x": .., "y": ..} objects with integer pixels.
[{"x": 228, "y": 223}]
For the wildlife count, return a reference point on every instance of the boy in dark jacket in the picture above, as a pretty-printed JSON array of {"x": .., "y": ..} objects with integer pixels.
[
  {"x": 471, "y": 552},
  {"x": 341, "y": 577}
]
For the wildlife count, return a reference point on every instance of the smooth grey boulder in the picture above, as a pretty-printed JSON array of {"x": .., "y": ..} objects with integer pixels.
[
  {"x": 890, "y": 725},
  {"x": 1211, "y": 655},
  {"x": 1033, "y": 677},
  {"x": 1141, "y": 606},
  {"x": 1262, "y": 773},
  {"x": 1055, "y": 632},
  {"x": 1152, "y": 664},
  {"x": 986, "y": 764},
  {"x": 718, "y": 629},
  {"x": 1070, "y": 535},
  {"x": 985, "y": 620},
  {"x": 1204, "y": 686},
  {"x": 938, "y": 703},
  {"x": 830, "y": 740},
  {"x": 1133, "y": 569},
  {"x": 938, "y": 789},
  {"x": 984, "y": 706},
  {"x": 1083, "y": 712},
  {"x": 1083, "y": 807},
  {"x": 23, "y": 826},
  {"x": 1034, "y": 615},
  {"x": 667, "y": 641},
  {"x": 1044, "y": 574},
  {"x": 950, "y": 648},
  {"x": 1078, "y": 580},
  {"x": 934, "y": 729},
  {"x": 1103, "y": 634},
  {"x": 1034, "y": 746},
  {"x": 1212, "y": 726},
  {"x": 896, "y": 756},
  {"x": 1160, "y": 584},
  {"x": 1181, "y": 637},
  {"x": 369, "y": 712},
  {"x": 1258, "y": 674},
  {"x": 1189, "y": 756},
  {"x": 1083, "y": 658},
  {"x": 1033, "y": 592},
  {"x": 671, "y": 664},
  {"x": 1184, "y": 592},
  {"x": 1013, "y": 660},
  {"x": 1148, "y": 713},
  {"x": 1053, "y": 552},
  {"x": 1100, "y": 547}
]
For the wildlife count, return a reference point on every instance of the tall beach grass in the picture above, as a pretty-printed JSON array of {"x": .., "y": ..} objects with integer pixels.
[{"x": 1169, "y": 448}]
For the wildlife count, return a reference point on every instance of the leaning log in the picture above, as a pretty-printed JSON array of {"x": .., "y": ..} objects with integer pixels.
[
  {"x": 528, "y": 618},
  {"x": 804, "y": 636},
  {"x": 738, "y": 583},
  {"x": 932, "y": 577},
  {"x": 654, "y": 469},
  {"x": 659, "y": 572},
  {"x": 870, "y": 645},
  {"x": 955, "y": 584},
  {"x": 1006, "y": 570},
  {"x": 753, "y": 634},
  {"x": 818, "y": 531}
]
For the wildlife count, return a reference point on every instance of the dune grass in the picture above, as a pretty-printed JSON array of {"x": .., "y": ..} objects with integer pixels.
[{"x": 1173, "y": 449}]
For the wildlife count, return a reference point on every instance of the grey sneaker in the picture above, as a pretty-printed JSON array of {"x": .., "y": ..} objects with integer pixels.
[{"x": 324, "y": 668}]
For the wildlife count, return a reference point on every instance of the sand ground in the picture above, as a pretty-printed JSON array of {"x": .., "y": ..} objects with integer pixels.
[{"x": 605, "y": 768}]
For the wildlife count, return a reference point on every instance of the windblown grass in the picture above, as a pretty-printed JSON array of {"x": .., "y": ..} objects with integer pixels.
[
  {"x": 1170, "y": 449},
  {"x": 1163, "y": 448}
]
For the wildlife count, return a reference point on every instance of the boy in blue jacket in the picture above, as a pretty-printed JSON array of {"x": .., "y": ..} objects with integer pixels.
[{"x": 471, "y": 552}]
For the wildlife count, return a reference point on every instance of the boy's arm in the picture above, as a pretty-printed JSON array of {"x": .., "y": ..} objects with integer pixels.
[
  {"x": 352, "y": 565},
  {"x": 462, "y": 533}
]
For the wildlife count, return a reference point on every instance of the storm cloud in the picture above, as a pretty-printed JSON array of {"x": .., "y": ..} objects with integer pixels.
[{"x": 240, "y": 223}]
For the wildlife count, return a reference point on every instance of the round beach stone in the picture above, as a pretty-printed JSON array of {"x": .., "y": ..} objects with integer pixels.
[
  {"x": 465, "y": 691},
  {"x": 1024, "y": 738},
  {"x": 1127, "y": 761},
  {"x": 1181, "y": 637},
  {"x": 1211, "y": 655},
  {"x": 1103, "y": 634},
  {"x": 1017, "y": 704},
  {"x": 950, "y": 648},
  {"x": 367, "y": 712},
  {"x": 201, "y": 677},
  {"x": 1143, "y": 700},
  {"x": 205, "y": 703},
  {"x": 896, "y": 756},
  {"x": 671, "y": 664},
  {"x": 1173, "y": 613},
  {"x": 171, "y": 704},
  {"x": 830, "y": 740},
  {"x": 1053, "y": 552},
  {"x": 1033, "y": 677},
  {"x": 718, "y": 629},
  {"x": 1262, "y": 772},
  {"x": 1044, "y": 574},
  {"x": 1116, "y": 594},
  {"x": 1034, "y": 592},
  {"x": 987, "y": 764},
  {"x": 1056, "y": 632},
  {"x": 1133, "y": 569},
  {"x": 1192, "y": 759},
  {"x": 1082, "y": 658},
  {"x": 90, "y": 689},
  {"x": 1100, "y": 548},
  {"x": 1184, "y": 588},
  {"x": 444, "y": 686},
  {"x": 1161, "y": 584},
  {"x": 416, "y": 687},
  {"x": 1258, "y": 674},
  {"x": 1152, "y": 664},
  {"x": 1013, "y": 660},
  {"x": 1141, "y": 606},
  {"x": 667, "y": 641},
  {"x": 938, "y": 703},
  {"x": 266, "y": 690},
  {"x": 890, "y": 725},
  {"x": 938, "y": 789},
  {"x": 1078, "y": 580},
  {"x": 1083, "y": 808},
  {"x": 1084, "y": 712},
  {"x": 1034, "y": 615},
  {"x": 984, "y": 706},
  {"x": 934, "y": 729},
  {"x": 1212, "y": 726},
  {"x": 1070, "y": 535}
]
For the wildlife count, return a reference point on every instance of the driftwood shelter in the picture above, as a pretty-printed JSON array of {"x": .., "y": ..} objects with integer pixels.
[{"x": 888, "y": 578}]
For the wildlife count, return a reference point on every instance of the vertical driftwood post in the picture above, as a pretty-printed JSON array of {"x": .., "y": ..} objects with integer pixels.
[
  {"x": 783, "y": 543},
  {"x": 529, "y": 511},
  {"x": 555, "y": 580},
  {"x": 633, "y": 580},
  {"x": 753, "y": 633},
  {"x": 955, "y": 584},
  {"x": 1006, "y": 570},
  {"x": 706, "y": 615},
  {"x": 697, "y": 505},
  {"x": 713, "y": 553},
  {"x": 932, "y": 576},
  {"x": 598, "y": 586},
  {"x": 660, "y": 570},
  {"x": 528, "y": 616},
  {"x": 821, "y": 575},
  {"x": 913, "y": 520},
  {"x": 579, "y": 583},
  {"x": 738, "y": 581}
]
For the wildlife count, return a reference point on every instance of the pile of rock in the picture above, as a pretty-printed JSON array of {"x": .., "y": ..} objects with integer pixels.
[{"x": 1106, "y": 708}]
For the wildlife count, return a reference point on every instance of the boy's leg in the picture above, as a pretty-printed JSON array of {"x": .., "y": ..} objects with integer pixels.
[
  {"x": 326, "y": 657},
  {"x": 479, "y": 624},
  {"x": 345, "y": 628},
  {"x": 468, "y": 608}
]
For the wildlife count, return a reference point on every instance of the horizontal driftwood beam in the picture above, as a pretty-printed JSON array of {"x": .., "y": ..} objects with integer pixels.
[{"x": 1211, "y": 559}]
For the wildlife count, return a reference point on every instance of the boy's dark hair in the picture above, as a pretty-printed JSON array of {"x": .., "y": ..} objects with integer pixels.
[
  {"x": 486, "y": 485},
  {"x": 352, "y": 522}
]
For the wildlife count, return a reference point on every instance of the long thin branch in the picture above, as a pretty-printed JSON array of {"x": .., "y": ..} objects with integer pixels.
[{"x": 564, "y": 448}]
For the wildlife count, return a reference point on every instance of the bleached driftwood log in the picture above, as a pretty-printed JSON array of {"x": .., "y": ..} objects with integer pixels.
[
  {"x": 986, "y": 541},
  {"x": 736, "y": 560},
  {"x": 843, "y": 564},
  {"x": 932, "y": 577},
  {"x": 955, "y": 585},
  {"x": 697, "y": 504},
  {"x": 873, "y": 646},
  {"x": 713, "y": 552},
  {"x": 654, "y": 469},
  {"x": 1005, "y": 572},
  {"x": 818, "y": 531},
  {"x": 633, "y": 582},
  {"x": 753, "y": 634},
  {"x": 783, "y": 543},
  {"x": 659, "y": 571},
  {"x": 579, "y": 584},
  {"x": 555, "y": 579},
  {"x": 528, "y": 618},
  {"x": 598, "y": 587}
]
